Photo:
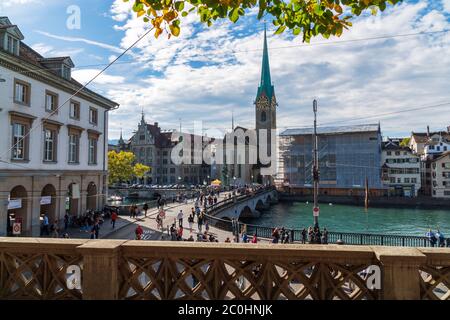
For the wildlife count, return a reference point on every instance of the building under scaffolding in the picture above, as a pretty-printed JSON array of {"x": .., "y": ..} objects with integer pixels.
[{"x": 347, "y": 156}]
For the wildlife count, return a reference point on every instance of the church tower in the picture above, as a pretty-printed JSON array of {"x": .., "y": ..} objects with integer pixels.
[{"x": 265, "y": 104}]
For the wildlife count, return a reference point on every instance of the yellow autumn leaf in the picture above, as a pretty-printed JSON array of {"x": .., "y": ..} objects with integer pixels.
[
  {"x": 175, "y": 30},
  {"x": 158, "y": 32},
  {"x": 141, "y": 13}
]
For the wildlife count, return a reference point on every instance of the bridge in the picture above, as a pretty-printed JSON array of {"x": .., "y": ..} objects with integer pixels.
[
  {"x": 61, "y": 269},
  {"x": 247, "y": 205}
]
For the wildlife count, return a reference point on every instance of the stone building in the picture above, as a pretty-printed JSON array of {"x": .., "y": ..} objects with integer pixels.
[
  {"x": 401, "y": 169},
  {"x": 52, "y": 156},
  {"x": 153, "y": 147}
]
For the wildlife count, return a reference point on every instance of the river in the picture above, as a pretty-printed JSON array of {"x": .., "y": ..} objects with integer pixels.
[{"x": 346, "y": 218}]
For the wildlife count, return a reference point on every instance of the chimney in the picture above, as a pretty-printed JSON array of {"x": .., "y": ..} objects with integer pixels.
[
  {"x": 156, "y": 124},
  {"x": 428, "y": 131}
]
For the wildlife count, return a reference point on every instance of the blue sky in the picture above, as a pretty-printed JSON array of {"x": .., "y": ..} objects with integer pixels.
[{"x": 207, "y": 72}]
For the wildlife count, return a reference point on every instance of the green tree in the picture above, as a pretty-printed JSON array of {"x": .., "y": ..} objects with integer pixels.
[{"x": 307, "y": 17}]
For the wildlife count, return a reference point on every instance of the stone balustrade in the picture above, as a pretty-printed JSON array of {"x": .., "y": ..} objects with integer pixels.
[{"x": 32, "y": 268}]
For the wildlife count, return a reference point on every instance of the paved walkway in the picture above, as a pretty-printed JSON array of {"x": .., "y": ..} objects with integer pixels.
[{"x": 126, "y": 225}]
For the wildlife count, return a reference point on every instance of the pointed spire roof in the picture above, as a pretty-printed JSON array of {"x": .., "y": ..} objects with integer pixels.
[
  {"x": 265, "y": 85},
  {"x": 121, "y": 137}
]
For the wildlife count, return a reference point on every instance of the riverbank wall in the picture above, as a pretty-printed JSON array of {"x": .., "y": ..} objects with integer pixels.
[{"x": 380, "y": 202}]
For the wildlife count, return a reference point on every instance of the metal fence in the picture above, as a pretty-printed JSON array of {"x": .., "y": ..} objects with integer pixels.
[{"x": 295, "y": 235}]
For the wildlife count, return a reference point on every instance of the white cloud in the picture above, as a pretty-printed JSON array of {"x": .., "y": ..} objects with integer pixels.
[
  {"x": 351, "y": 80},
  {"x": 4, "y": 4},
  {"x": 83, "y": 40},
  {"x": 446, "y": 4},
  {"x": 84, "y": 75},
  {"x": 49, "y": 51}
]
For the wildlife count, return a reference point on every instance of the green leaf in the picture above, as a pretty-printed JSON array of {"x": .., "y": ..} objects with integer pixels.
[
  {"x": 280, "y": 29},
  {"x": 234, "y": 15},
  {"x": 179, "y": 5}
]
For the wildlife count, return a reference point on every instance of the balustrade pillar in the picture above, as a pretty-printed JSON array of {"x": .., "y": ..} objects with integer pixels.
[
  {"x": 400, "y": 272},
  {"x": 101, "y": 274}
]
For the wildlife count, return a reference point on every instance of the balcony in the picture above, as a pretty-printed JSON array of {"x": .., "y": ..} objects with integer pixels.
[{"x": 56, "y": 269}]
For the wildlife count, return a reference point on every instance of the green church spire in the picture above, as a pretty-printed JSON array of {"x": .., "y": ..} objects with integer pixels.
[{"x": 266, "y": 83}]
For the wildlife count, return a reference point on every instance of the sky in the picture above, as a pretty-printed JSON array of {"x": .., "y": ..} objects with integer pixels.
[{"x": 206, "y": 74}]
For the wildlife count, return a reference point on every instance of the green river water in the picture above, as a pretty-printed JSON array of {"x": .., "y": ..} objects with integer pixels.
[{"x": 344, "y": 218}]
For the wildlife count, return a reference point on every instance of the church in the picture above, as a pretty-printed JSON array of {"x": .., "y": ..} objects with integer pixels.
[{"x": 258, "y": 163}]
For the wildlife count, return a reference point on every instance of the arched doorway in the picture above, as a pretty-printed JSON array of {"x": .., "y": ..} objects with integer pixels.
[
  {"x": 17, "y": 208},
  {"x": 48, "y": 202},
  {"x": 72, "y": 199},
  {"x": 91, "y": 197}
]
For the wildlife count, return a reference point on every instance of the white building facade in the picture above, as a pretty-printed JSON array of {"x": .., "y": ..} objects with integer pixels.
[
  {"x": 401, "y": 169},
  {"x": 440, "y": 172},
  {"x": 52, "y": 154}
]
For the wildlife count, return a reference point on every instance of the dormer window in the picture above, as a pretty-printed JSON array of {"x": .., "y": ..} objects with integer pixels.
[
  {"x": 12, "y": 45},
  {"x": 66, "y": 74}
]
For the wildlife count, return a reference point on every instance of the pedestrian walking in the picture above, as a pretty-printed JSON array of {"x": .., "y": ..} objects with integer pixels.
[
  {"x": 113, "y": 219},
  {"x": 180, "y": 218},
  {"x": 255, "y": 238},
  {"x": 96, "y": 230},
  {"x": 191, "y": 221},
  {"x": 145, "y": 208},
  {"x": 275, "y": 236},
  {"x": 206, "y": 224},
  {"x": 45, "y": 226},
  {"x": 66, "y": 221},
  {"x": 131, "y": 211},
  {"x": 304, "y": 236},
  {"x": 200, "y": 222}
]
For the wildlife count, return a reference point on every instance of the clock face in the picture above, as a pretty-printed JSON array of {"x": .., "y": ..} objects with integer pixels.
[
  {"x": 263, "y": 103},
  {"x": 274, "y": 102}
]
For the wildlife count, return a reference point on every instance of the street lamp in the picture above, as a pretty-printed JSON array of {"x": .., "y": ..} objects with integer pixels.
[
  {"x": 315, "y": 169},
  {"x": 234, "y": 182}
]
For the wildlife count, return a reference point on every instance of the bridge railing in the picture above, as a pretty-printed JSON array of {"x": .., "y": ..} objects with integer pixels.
[
  {"x": 295, "y": 235},
  {"x": 57, "y": 269}
]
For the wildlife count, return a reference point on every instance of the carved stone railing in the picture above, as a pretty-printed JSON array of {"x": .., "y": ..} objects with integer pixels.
[{"x": 121, "y": 269}]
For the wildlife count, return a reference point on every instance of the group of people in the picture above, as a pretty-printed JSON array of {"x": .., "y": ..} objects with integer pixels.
[{"x": 436, "y": 238}]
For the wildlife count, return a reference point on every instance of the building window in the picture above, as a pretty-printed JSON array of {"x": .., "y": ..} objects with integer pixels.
[
  {"x": 66, "y": 72},
  {"x": 93, "y": 116},
  {"x": 92, "y": 151},
  {"x": 22, "y": 92},
  {"x": 75, "y": 110},
  {"x": 49, "y": 145},
  {"x": 19, "y": 141},
  {"x": 12, "y": 45},
  {"x": 406, "y": 180},
  {"x": 51, "y": 101},
  {"x": 74, "y": 145},
  {"x": 397, "y": 153},
  {"x": 413, "y": 180},
  {"x": 389, "y": 153}
]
